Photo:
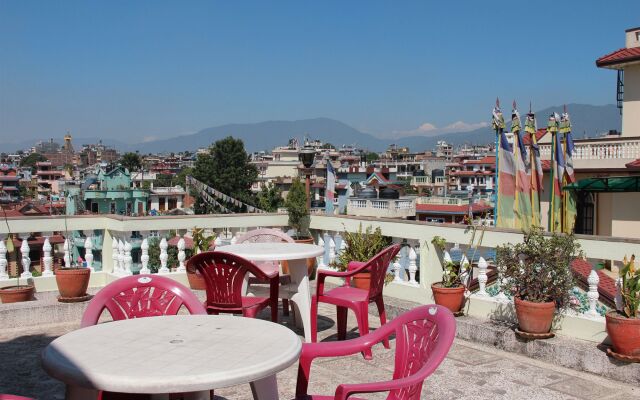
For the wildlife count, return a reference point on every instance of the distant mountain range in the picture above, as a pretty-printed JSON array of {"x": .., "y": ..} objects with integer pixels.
[{"x": 587, "y": 120}]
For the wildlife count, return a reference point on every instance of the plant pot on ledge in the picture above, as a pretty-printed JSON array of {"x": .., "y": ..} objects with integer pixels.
[
  {"x": 534, "y": 318},
  {"x": 16, "y": 293},
  {"x": 73, "y": 283},
  {"x": 196, "y": 281},
  {"x": 450, "y": 297},
  {"x": 624, "y": 334}
]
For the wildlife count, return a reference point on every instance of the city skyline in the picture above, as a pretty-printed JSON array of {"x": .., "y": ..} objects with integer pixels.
[{"x": 149, "y": 71}]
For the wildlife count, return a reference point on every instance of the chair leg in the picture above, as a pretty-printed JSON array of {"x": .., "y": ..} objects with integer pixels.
[
  {"x": 314, "y": 319},
  {"x": 362, "y": 315},
  {"x": 342, "y": 322},
  {"x": 383, "y": 319},
  {"x": 285, "y": 307}
]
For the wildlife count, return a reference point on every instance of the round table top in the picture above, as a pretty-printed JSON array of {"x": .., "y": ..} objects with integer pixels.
[
  {"x": 273, "y": 251},
  {"x": 171, "y": 354}
]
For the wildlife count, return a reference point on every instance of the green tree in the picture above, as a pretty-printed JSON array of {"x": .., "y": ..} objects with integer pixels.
[
  {"x": 372, "y": 157},
  {"x": 31, "y": 160},
  {"x": 296, "y": 204},
  {"x": 270, "y": 198},
  {"x": 328, "y": 146},
  {"x": 131, "y": 161}
]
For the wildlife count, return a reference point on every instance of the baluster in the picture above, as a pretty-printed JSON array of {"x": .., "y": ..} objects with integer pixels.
[
  {"x": 593, "y": 280},
  {"x": 26, "y": 261},
  {"x": 321, "y": 264},
  {"x": 482, "y": 277},
  {"x": 121, "y": 267},
  {"x": 3, "y": 260},
  {"x": 465, "y": 265},
  {"x": 115, "y": 256},
  {"x": 47, "y": 260},
  {"x": 88, "y": 253},
  {"x": 396, "y": 269},
  {"x": 163, "y": 257},
  {"x": 332, "y": 250},
  {"x": 182, "y": 255},
  {"x": 218, "y": 240},
  {"x": 413, "y": 266},
  {"x": 128, "y": 260},
  {"x": 67, "y": 254},
  {"x": 144, "y": 258}
]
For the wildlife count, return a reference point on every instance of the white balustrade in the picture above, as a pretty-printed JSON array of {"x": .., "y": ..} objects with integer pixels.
[
  {"x": 66, "y": 247},
  {"x": 163, "y": 257},
  {"x": 122, "y": 269},
  {"x": 482, "y": 277},
  {"x": 128, "y": 260},
  {"x": 413, "y": 266},
  {"x": 397, "y": 267},
  {"x": 115, "y": 253},
  {"x": 332, "y": 250},
  {"x": 26, "y": 261},
  {"x": 182, "y": 255},
  {"x": 321, "y": 263},
  {"x": 144, "y": 258},
  {"x": 47, "y": 260},
  {"x": 593, "y": 280},
  {"x": 3, "y": 261},
  {"x": 88, "y": 253}
]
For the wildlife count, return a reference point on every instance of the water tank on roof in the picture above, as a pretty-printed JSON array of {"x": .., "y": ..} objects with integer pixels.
[
  {"x": 368, "y": 193},
  {"x": 389, "y": 193},
  {"x": 435, "y": 173}
]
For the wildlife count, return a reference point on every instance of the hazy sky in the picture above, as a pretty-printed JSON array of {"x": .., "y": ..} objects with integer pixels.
[{"x": 144, "y": 69}]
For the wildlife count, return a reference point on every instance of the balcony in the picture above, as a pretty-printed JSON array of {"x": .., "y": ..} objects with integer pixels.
[
  {"x": 612, "y": 152},
  {"x": 417, "y": 266},
  {"x": 382, "y": 208}
]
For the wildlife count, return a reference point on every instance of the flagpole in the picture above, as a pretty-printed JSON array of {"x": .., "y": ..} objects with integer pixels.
[
  {"x": 495, "y": 190},
  {"x": 551, "y": 181}
]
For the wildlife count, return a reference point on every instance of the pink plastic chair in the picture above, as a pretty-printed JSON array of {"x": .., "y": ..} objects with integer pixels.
[
  {"x": 270, "y": 267},
  {"x": 224, "y": 275},
  {"x": 141, "y": 296},
  {"x": 424, "y": 336},
  {"x": 347, "y": 297},
  {"x": 13, "y": 397}
]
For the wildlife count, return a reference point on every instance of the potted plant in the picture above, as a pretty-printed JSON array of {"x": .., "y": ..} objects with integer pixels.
[
  {"x": 201, "y": 243},
  {"x": 17, "y": 292},
  {"x": 361, "y": 246},
  {"x": 538, "y": 275},
  {"x": 296, "y": 204},
  {"x": 449, "y": 292},
  {"x": 623, "y": 325},
  {"x": 73, "y": 281}
]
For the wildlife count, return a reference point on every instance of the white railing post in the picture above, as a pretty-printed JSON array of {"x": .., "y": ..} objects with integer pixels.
[
  {"x": 121, "y": 268},
  {"x": 163, "y": 257},
  {"x": 396, "y": 269},
  {"x": 47, "y": 260},
  {"x": 3, "y": 260},
  {"x": 128, "y": 260},
  {"x": 593, "y": 280},
  {"x": 115, "y": 256},
  {"x": 88, "y": 253},
  {"x": 144, "y": 258},
  {"x": 182, "y": 256},
  {"x": 26, "y": 261},
  {"x": 67, "y": 253},
  {"x": 413, "y": 266},
  {"x": 321, "y": 264},
  {"x": 332, "y": 250},
  {"x": 482, "y": 277}
]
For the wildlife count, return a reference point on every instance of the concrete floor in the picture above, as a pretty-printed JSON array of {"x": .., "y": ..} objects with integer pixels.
[{"x": 470, "y": 371}]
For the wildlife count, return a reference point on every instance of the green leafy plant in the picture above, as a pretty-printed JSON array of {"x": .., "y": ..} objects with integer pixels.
[
  {"x": 439, "y": 242},
  {"x": 361, "y": 246},
  {"x": 538, "y": 269},
  {"x": 172, "y": 255},
  {"x": 630, "y": 289},
  {"x": 200, "y": 241},
  {"x": 296, "y": 204}
]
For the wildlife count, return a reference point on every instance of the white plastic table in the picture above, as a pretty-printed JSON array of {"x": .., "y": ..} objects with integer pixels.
[
  {"x": 296, "y": 255},
  {"x": 189, "y": 354}
]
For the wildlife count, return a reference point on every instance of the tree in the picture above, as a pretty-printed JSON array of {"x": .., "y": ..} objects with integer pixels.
[
  {"x": 31, "y": 160},
  {"x": 270, "y": 198},
  {"x": 328, "y": 146},
  {"x": 131, "y": 161},
  {"x": 296, "y": 204},
  {"x": 372, "y": 157}
]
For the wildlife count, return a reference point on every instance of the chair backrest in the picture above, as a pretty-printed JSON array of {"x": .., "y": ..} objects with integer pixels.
[
  {"x": 378, "y": 266},
  {"x": 424, "y": 336},
  {"x": 265, "y": 235},
  {"x": 224, "y": 275},
  {"x": 141, "y": 296}
]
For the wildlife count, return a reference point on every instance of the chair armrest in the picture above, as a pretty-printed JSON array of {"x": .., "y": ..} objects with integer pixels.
[
  {"x": 322, "y": 274},
  {"x": 353, "y": 265}
]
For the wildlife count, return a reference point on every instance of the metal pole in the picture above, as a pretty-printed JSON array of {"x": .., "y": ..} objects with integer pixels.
[{"x": 495, "y": 190}]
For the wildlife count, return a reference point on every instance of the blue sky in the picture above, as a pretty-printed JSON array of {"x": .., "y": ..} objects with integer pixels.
[{"x": 140, "y": 70}]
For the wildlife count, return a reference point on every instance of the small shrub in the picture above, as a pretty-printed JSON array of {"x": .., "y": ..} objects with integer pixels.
[{"x": 361, "y": 246}]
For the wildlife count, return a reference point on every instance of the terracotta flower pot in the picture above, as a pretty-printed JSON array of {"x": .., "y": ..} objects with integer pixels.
[
  {"x": 311, "y": 262},
  {"x": 73, "y": 282},
  {"x": 534, "y": 317},
  {"x": 196, "y": 281},
  {"x": 362, "y": 280},
  {"x": 15, "y": 294},
  {"x": 624, "y": 333},
  {"x": 452, "y": 298}
]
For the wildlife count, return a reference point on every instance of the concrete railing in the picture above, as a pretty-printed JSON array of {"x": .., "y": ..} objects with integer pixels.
[
  {"x": 383, "y": 208},
  {"x": 455, "y": 201},
  {"x": 602, "y": 149},
  {"x": 414, "y": 270}
]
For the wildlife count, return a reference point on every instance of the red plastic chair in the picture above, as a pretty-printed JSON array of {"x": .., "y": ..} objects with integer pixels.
[
  {"x": 140, "y": 296},
  {"x": 224, "y": 275},
  {"x": 347, "y": 297},
  {"x": 270, "y": 267},
  {"x": 13, "y": 397},
  {"x": 424, "y": 336}
]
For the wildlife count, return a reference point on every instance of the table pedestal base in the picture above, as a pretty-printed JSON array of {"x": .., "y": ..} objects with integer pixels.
[{"x": 265, "y": 388}]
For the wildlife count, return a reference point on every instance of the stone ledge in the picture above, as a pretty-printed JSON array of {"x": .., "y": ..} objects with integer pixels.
[{"x": 579, "y": 355}]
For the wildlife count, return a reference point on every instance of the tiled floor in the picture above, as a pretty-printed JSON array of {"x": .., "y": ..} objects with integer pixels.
[{"x": 469, "y": 372}]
